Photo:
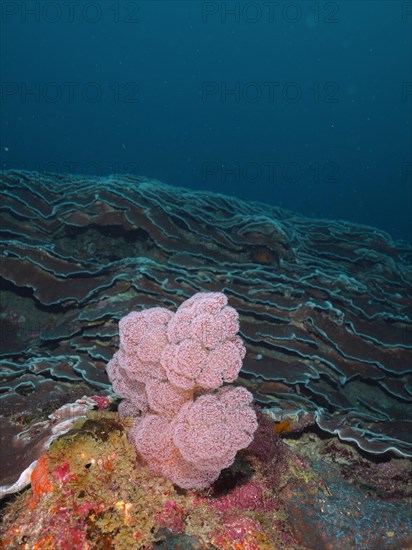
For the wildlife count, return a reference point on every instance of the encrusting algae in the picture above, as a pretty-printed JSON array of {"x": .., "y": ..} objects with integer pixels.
[{"x": 89, "y": 492}]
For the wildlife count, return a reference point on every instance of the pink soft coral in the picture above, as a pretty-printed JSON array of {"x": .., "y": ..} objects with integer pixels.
[
  {"x": 209, "y": 431},
  {"x": 166, "y": 369}
]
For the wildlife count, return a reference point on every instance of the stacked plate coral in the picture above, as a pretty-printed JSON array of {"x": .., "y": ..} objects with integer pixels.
[{"x": 173, "y": 370}]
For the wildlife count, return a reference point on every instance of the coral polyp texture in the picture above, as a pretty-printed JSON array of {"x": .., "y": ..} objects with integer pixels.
[{"x": 166, "y": 370}]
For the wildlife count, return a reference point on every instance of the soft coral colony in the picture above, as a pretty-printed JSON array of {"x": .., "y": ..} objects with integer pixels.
[{"x": 171, "y": 369}]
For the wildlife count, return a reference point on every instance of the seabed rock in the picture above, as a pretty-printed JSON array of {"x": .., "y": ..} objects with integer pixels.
[{"x": 87, "y": 491}]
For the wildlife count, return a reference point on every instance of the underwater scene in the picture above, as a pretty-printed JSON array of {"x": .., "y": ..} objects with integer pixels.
[{"x": 206, "y": 275}]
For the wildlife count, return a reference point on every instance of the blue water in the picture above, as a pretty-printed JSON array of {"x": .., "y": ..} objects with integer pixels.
[{"x": 305, "y": 105}]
